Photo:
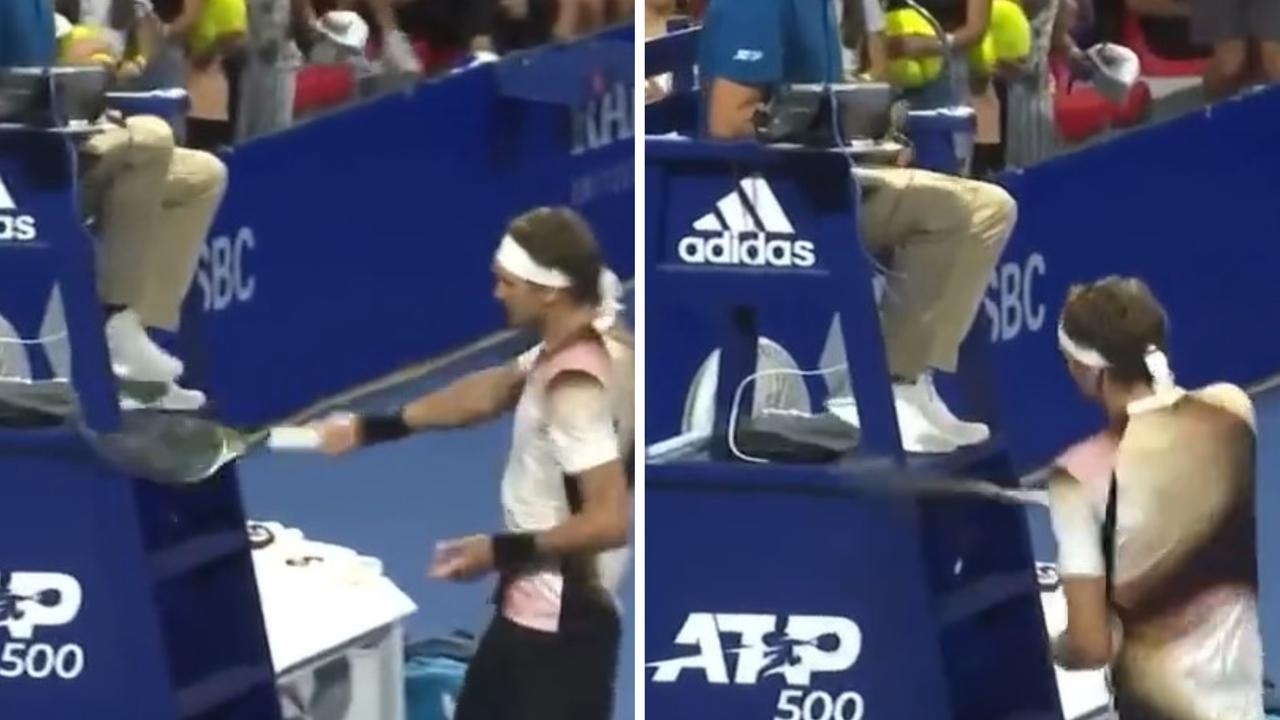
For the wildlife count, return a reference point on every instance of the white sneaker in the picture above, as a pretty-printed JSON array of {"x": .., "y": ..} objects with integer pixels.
[
  {"x": 920, "y": 434},
  {"x": 963, "y": 432},
  {"x": 134, "y": 355},
  {"x": 175, "y": 398}
]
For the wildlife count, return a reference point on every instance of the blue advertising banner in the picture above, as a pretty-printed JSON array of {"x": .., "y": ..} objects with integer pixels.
[
  {"x": 361, "y": 242},
  {"x": 1173, "y": 204}
]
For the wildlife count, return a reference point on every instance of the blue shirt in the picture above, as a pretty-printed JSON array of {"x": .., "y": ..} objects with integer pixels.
[
  {"x": 769, "y": 42},
  {"x": 26, "y": 33}
]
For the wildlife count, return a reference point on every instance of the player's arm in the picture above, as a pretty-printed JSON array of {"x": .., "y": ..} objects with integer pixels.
[
  {"x": 1087, "y": 642},
  {"x": 468, "y": 400},
  {"x": 582, "y": 430}
]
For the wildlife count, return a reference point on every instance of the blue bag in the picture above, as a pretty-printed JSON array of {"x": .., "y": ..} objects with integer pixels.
[{"x": 433, "y": 673}]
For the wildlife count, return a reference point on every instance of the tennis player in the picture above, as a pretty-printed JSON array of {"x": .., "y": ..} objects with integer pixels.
[
  {"x": 551, "y": 652},
  {"x": 1154, "y": 519}
]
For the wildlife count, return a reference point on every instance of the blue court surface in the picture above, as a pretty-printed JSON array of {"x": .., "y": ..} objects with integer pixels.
[{"x": 394, "y": 501}]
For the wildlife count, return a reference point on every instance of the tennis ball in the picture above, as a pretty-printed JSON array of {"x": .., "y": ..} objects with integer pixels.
[{"x": 911, "y": 72}]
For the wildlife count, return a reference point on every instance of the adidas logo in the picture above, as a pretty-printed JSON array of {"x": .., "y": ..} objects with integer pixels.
[
  {"x": 747, "y": 227},
  {"x": 13, "y": 226},
  {"x": 6, "y": 199}
]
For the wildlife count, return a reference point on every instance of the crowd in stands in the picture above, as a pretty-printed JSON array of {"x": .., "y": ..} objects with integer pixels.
[
  {"x": 252, "y": 67},
  {"x": 1030, "y": 66}
]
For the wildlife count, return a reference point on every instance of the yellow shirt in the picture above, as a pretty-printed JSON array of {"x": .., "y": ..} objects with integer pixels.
[{"x": 217, "y": 19}]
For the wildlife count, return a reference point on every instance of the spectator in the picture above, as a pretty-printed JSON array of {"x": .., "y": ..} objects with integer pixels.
[
  {"x": 964, "y": 24},
  {"x": 1031, "y": 135},
  {"x": 521, "y": 24},
  {"x": 396, "y": 50},
  {"x": 126, "y": 34},
  {"x": 272, "y": 58},
  {"x": 1229, "y": 25},
  {"x": 862, "y": 26},
  {"x": 946, "y": 233},
  {"x": 578, "y": 17},
  {"x": 213, "y": 34},
  {"x": 154, "y": 204},
  {"x": 342, "y": 37},
  {"x": 885, "y": 40},
  {"x": 619, "y": 12},
  {"x": 1166, "y": 26}
]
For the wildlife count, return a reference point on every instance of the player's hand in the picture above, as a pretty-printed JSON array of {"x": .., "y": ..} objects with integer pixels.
[
  {"x": 463, "y": 559},
  {"x": 339, "y": 433}
]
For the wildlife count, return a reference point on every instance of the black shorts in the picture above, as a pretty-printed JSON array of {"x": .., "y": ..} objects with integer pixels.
[{"x": 523, "y": 674}]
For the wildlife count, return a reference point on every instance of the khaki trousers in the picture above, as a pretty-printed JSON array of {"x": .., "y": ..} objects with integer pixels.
[
  {"x": 945, "y": 234},
  {"x": 155, "y": 203}
]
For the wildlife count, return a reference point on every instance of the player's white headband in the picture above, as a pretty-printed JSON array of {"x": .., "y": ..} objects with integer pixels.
[
  {"x": 1082, "y": 354},
  {"x": 513, "y": 258},
  {"x": 1156, "y": 361}
]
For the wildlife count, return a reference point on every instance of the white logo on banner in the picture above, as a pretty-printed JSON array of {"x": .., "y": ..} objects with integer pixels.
[
  {"x": 223, "y": 273},
  {"x": 606, "y": 119},
  {"x": 748, "y": 227},
  {"x": 33, "y": 600},
  {"x": 1012, "y": 305},
  {"x": 14, "y": 226},
  {"x": 793, "y": 648}
]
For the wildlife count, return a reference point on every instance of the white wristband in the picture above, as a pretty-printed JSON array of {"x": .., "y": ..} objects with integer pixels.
[{"x": 293, "y": 438}]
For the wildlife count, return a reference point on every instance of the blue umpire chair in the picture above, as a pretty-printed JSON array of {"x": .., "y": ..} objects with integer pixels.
[
  {"x": 120, "y": 596},
  {"x": 846, "y": 589}
]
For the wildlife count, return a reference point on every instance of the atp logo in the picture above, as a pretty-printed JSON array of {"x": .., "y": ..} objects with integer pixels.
[
  {"x": 794, "y": 648},
  {"x": 31, "y": 600},
  {"x": 36, "y": 599},
  {"x": 791, "y": 648}
]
